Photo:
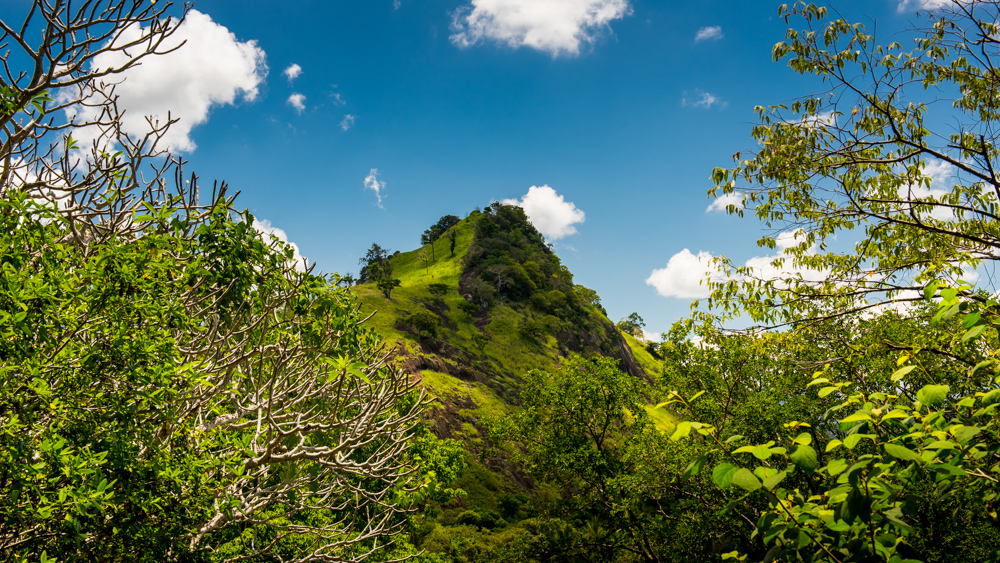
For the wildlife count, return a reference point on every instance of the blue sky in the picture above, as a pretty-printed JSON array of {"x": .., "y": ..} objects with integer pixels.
[{"x": 460, "y": 102}]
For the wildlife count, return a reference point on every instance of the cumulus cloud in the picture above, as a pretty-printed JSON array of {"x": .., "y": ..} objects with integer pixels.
[
  {"x": 372, "y": 183},
  {"x": 211, "y": 68},
  {"x": 709, "y": 33},
  {"x": 552, "y": 26},
  {"x": 347, "y": 122},
  {"x": 297, "y": 101},
  {"x": 650, "y": 336},
  {"x": 686, "y": 275},
  {"x": 723, "y": 202},
  {"x": 292, "y": 72},
  {"x": 264, "y": 227},
  {"x": 907, "y": 5},
  {"x": 549, "y": 212},
  {"x": 702, "y": 99}
]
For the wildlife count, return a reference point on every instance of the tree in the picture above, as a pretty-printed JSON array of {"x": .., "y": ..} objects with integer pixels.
[
  {"x": 435, "y": 231},
  {"x": 585, "y": 430},
  {"x": 910, "y": 418},
  {"x": 373, "y": 264},
  {"x": 632, "y": 324},
  {"x": 860, "y": 161},
  {"x": 377, "y": 267},
  {"x": 438, "y": 290},
  {"x": 452, "y": 235},
  {"x": 171, "y": 387}
]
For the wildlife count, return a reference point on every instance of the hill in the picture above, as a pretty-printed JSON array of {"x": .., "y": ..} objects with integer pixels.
[
  {"x": 469, "y": 320},
  {"x": 470, "y": 323}
]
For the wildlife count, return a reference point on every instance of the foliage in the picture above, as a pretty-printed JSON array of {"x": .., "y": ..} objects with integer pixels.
[
  {"x": 434, "y": 232},
  {"x": 632, "y": 324},
  {"x": 438, "y": 290},
  {"x": 893, "y": 458},
  {"x": 423, "y": 322},
  {"x": 171, "y": 386},
  {"x": 584, "y": 429},
  {"x": 860, "y": 161}
]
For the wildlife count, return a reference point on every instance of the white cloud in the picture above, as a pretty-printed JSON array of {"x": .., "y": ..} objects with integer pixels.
[
  {"x": 906, "y": 5},
  {"x": 297, "y": 101},
  {"x": 292, "y": 72},
  {"x": 264, "y": 227},
  {"x": 372, "y": 183},
  {"x": 650, "y": 336},
  {"x": 347, "y": 122},
  {"x": 709, "y": 33},
  {"x": 210, "y": 69},
  {"x": 338, "y": 100},
  {"x": 702, "y": 99},
  {"x": 553, "y": 26},
  {"x": 396, "y": 4},
  {"x": 684, "y": 276},
  {"x": 549, "y": 212},
  {"x": 723, "y": 202}
]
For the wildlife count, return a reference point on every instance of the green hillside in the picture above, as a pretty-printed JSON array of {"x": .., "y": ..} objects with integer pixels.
[
  {"x": 470, "y": 326},
  {"x": 473, "y": 363}
]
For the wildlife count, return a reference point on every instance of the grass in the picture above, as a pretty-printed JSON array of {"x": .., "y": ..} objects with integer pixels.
[
  {"x": 448, "y": 387},
  {"x": 646, "y": 360}
]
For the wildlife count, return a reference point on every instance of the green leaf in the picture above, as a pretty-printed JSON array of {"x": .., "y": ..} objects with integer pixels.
[
  {"x": 803, "y": 438},
  {"x": 930, "y": 289},
  {"x": 771, "y": 482},
  {"x": 857, "y": 417},
  {"x": 933, "y": 395},
  {"x": 746, "y": 480},
  {"x": 694, "y": 468},
  {"x": 973, "y": 332},
  {"x": 804, "y": 456},
  {"x": 895, "y": 413},
  {"x": 979, "y": 366},
  {"x": 723, "y": 474},
  {"x": 901, "y": 372},
  {"x": 901, "y": 452},
  {"x": 971, "y": 319},
  {"x": 836, "y": 467},
  {"x": 761, "y": 452},
  {"x": 852, "y": 440},
  {"x": 991, "y": 398},
  {"x": 826, "y": 391},
  {"x": 682, "y": 430}
]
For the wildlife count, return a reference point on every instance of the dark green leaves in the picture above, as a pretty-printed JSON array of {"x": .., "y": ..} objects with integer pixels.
[{"x": 804, "y": 456}]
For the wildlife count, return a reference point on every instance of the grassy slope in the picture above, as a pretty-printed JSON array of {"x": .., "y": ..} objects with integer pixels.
[{"x": 507, "y": 351}]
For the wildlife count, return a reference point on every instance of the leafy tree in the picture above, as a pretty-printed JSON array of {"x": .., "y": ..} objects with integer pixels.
[
  {"x": 438, "y": 290},
  {"x": 171, "y": 387},
  {"x": 434, "y": 232},
  {"x": 452, "y": 236},
  {"x": 632, "y": 324},
  {"x": 374, "y": 264},
  {"x": 909, "y": 417},
  {"x": 584, "y": 429},
  {"x": 423, "y": 322},
  {"x": 377, "y": 267}
]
